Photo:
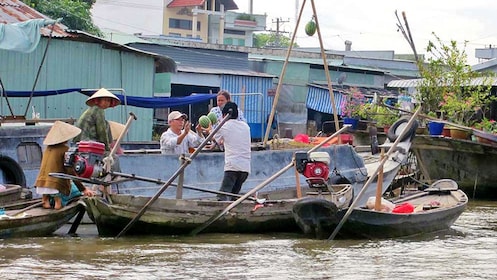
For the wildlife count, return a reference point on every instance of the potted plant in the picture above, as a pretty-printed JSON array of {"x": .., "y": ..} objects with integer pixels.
[
  {"x": 384, "y": 117},
  {"x": 434, "y": 128},
  {"x": 351, "y": 107}
]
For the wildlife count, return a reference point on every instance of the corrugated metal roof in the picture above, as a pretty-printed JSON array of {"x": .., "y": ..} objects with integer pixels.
[
  {"x": 14, "y": 11},
  {"x": 415, "y": 82},
  {"x": 200, "y": 58},
  {"x": 318, "y": 99},
  {"x": 199, "y": 70}
]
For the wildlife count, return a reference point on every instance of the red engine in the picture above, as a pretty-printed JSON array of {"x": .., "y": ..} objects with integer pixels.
[
  {"x": 86, "y": 159},
  {"x": 315, "y": 167}
]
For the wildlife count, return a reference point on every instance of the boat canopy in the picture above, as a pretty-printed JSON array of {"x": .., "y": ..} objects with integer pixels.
[{"x": 137, "y": 101}]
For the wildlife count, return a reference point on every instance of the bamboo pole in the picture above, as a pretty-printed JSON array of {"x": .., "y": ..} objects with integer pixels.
[
  {"x": 379, "y": 184},
  {"x": 280, "y": 80},
  {"x": 326, "y": 71}
]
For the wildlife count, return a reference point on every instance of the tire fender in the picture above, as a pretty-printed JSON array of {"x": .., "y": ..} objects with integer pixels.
[
  {"x": 396, "y": 128},
  {"x": 12, "y": 172}
]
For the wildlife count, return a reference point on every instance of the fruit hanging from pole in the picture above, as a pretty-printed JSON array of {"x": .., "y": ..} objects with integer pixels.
[{"x": 310, "y": 27}]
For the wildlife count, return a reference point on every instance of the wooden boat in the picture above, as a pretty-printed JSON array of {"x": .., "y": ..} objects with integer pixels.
[
  {"x": 29, "y": 219},
  {"x": 181, "y": 216},
  {"x": 471, "y": 164},
  {"x": 434, "y": 209}
]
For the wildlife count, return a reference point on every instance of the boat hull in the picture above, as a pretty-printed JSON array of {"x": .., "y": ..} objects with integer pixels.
[
  {"x": 37, "y": 221},
  {"x": 471, "y": 164},
  {"x": 181, "y": 216},
  {"x": 318, "y": 218}
]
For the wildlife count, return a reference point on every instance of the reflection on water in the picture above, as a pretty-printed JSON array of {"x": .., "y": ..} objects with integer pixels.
[{"x": 468, "y": 251}]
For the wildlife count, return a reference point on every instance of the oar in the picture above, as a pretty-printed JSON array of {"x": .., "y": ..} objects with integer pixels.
[
  {"x": 262, "y": 185},
  {"x": 27, "y": 208},
  {"x": 176, "y": 174},
  {"x": 373, "y": 176},
  {"x": 159, "y": 181}
]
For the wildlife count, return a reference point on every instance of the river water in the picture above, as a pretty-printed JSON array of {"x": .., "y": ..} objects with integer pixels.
[{"x": 467, "y": 251}]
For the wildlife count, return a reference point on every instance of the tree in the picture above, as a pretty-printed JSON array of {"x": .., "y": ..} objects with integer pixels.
[
  {"x": 448, "y": 86},
  {"x": 75, "y": 14},
  {"x": 262, "y": 40}
]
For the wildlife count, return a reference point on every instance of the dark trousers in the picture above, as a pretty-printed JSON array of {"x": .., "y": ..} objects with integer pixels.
[{"x": 232, "y": 182}]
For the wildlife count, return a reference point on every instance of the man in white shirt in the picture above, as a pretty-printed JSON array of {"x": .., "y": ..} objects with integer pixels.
[
  {"x": 235, "y": 136},
  {"x": 178, "y": 138}
]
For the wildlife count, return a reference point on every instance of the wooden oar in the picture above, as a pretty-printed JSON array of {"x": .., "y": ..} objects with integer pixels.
[
  {"x": 159, "y": 181},
  {"x": 262, "y": 185},
  {"x": 26, "y": 209},
  {"x": 176, "y": 174},
  {"x": 373, "y": 176}
]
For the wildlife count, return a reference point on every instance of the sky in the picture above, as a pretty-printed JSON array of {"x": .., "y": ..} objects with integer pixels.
[{"x": 369, "y": 25}]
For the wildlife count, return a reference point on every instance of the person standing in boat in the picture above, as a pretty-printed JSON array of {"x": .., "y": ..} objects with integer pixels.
[
  {"x": 92, "y": 122},
  {"x": 52, "y": 188},
  {"x": 235, "y": 136},
  {"x": 178, "y": 138}
]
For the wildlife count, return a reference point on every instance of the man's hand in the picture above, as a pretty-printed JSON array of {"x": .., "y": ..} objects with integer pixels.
[{"x": 88, "y": 192}]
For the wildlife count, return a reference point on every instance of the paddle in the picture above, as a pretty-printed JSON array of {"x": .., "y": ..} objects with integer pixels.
[
  {"x": 262, "y": 185},
  {"x": 372, "y": 177},
  {"x": 176, "y": 174},
  {"x": 26, "y": 209}
]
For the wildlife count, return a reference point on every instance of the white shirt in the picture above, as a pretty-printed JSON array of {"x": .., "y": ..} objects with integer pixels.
[
  {"x": 168, "y": 141},
  {"x": 219, "y": 114},
  {"x": 237, "y": 152}
]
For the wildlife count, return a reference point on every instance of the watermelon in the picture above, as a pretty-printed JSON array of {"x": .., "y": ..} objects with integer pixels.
[
  {"x": 204, "y": 121},
  {"x": 310, "y": 28},
  {"x": 212, "y": 116}
]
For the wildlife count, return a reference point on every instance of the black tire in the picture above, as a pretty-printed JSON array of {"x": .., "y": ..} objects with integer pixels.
[
  {"x": 396, "y": 129},
  {"x": 12, "y": 171}
]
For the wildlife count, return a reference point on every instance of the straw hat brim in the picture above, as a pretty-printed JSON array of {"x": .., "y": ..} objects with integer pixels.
[
  {"x": 100, "y": 94},
  {"x": 116, "y": 129},
  {"x": 61, "y": 132}
]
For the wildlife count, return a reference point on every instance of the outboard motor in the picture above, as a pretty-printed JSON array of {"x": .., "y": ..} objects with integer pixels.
[
  {"x": 315, "y": 167},
  {"x": 86, "y": 158}
]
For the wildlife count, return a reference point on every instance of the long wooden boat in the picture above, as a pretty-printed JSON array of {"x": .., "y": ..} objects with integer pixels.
[
  {"x": 29, "y": 219},
  {"x": 471, "y": 164},
  {"x": 181, "y": 216},
  {"x": 434, "y": 209}
]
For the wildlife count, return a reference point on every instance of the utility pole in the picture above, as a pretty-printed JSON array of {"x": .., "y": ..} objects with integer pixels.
[{"x": 279, "y": 22}]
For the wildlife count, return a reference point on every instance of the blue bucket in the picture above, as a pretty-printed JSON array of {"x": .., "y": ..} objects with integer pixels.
[{"x": 435, "y": 128}]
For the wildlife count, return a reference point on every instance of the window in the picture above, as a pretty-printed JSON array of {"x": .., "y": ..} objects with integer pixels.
[{"x": 182, "y": 24}]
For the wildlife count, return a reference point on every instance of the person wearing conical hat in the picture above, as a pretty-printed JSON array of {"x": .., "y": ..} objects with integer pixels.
[
  {"x": 53, "y": 161},
  {"x": 92, "y": 122}
]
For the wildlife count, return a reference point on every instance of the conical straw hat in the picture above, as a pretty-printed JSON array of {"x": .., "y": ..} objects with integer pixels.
[
  {"x": 103, "y": 93},
  {"x": 116, "y": 129},
  {"x": 61, "y": 132}
]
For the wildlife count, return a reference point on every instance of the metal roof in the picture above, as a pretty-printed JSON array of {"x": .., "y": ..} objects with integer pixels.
[
  {"x": 199, "y": 58},
  {"x": 415, "y": 82},
  {"x": 199, "y": 70},
  {"x": 228, "y": 4},
  {"x": 14, "y": 11}
]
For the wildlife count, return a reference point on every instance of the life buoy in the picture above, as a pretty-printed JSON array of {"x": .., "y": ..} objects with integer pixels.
[
  {"x": 12, "y": 172},
  {"x": 396, "y": 128}
]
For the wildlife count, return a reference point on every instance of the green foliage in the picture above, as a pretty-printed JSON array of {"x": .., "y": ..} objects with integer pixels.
[
  {"x": 447, "y": 85},
  {"x": 262, "y": 40},
  {"x": 487, "y": 125},
  {"x": 246, "y": 17},
  {"x": 75, "y": 14},
  {"x": 353, "y": 106}
]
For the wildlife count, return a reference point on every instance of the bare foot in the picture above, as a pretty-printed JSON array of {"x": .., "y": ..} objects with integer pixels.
[
  {"x": 58, "y": 203},
  {"x": 46, "y": 202}
]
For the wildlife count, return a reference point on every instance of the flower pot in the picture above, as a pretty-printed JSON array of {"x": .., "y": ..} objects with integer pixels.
[
  {"x": 457, "y": 133},
  {"x": 446, "y": 132},
  {"x": 352, "y": 121},
  {"x": 435, "y": 128},
  {"x": 483, "y": 140}
]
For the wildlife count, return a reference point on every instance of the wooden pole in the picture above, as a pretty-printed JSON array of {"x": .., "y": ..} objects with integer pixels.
[
  {"x": 297, "y": 181},
  {"x": 326, "y": 71},
  {"x": 379, "y": 184},
  {"x": 371, "y": 178},
  {"x": 263, "y": 184},
  {"x": 280, "y": 80}
]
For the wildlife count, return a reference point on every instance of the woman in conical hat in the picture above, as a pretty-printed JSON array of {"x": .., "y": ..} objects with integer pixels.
[
  {"x": 53, "y": 161},
  {"x": 92, "y": 122}
]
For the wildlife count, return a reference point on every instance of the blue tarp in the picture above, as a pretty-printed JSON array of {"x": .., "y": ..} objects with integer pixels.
[{"x": 142, "y": 102}]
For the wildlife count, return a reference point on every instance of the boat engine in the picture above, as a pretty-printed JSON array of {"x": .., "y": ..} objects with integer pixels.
[
  {"x": 86, "y": 158},
  {"x": 315, "y": 167}
]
